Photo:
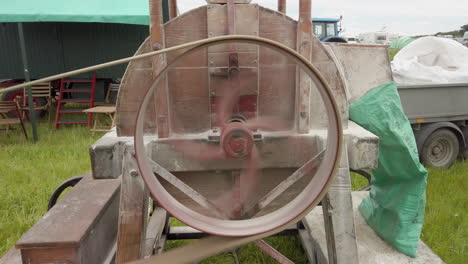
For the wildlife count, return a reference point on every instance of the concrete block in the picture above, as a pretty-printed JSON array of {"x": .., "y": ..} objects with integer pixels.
[
  {"x": 107, "y": 155},
  {"x": 371, "y": 248}
]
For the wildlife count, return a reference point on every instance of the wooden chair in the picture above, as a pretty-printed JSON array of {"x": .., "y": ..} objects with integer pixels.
[
  {"x": 5, "y": 120},
  {"x": 112, "y": 91},
  {"x": 41, "y": 90}
]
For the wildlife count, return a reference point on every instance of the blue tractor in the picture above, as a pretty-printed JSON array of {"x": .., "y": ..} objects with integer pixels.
[{"x": 328, "y": 29}]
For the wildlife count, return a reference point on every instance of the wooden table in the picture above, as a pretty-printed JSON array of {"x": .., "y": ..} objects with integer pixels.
[{"x": 102, "y": 110}]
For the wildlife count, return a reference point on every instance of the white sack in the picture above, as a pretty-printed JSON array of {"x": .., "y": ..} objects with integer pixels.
[{"x": 431, "y": 60}]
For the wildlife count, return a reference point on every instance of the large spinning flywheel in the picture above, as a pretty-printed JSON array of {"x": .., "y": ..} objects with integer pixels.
[{"x": 245, "y": 208}]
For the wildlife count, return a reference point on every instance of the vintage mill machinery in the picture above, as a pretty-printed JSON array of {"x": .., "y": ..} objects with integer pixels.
[{"x": 233, "y": 119}]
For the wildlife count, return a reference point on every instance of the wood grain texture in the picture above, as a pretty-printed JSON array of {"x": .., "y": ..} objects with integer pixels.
[
  {"x": 304, "y": 47},
  {"x": 90, "y": 208},
  {"x": 157, "y": 41},
  {"x": 275, "y": 85},
  {"x": 13, "y": 256},
  {"x": 133, "y": 212},
  {"x": 155, "y": 230},
  {"x": 282, "y": 6},
  {"x": 188, "y": 80},
  {"x": 242, "y": 19},
  {"x": 80, "y": 208},
  {"x": 132, "y": 90},
  {"x": 51, "y": 255}
]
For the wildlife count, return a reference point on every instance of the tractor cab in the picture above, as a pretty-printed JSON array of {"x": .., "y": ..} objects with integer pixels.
[{"x": 326, "y": 29}]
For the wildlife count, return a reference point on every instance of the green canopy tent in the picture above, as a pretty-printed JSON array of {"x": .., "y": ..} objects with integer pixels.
[
  {"x": 104, "y": 11},
  {"x": 101, "y": 11},
  {"x": 401, "y": 42}
]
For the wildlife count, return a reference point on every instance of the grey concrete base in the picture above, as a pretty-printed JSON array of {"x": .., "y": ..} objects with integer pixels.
[{"x": 371, "y": 248}]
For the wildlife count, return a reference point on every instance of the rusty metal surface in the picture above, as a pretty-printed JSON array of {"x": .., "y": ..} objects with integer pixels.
[{"x": 272, "y": 252}]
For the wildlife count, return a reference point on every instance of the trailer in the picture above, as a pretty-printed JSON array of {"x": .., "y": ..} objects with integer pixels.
[{"x": 439, "y": 117}]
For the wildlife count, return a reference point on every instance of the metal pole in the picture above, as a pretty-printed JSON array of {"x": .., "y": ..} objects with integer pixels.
[{"x": 32, "y": 113}]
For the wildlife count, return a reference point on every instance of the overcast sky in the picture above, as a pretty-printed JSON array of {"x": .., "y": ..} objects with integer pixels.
[{"x": 407, "y": 17}]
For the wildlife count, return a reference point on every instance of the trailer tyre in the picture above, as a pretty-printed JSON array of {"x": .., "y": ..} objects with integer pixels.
[{"x": 440, "y": 149}]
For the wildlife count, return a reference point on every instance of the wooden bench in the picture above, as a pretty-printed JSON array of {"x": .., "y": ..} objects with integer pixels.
[
  {"x": 80, "y": 228},
  {"x": 13, "y": 256}
]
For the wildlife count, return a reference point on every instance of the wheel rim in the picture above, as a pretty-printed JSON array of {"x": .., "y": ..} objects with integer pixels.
[
  {"x": 440, "y": 151},
  {"x": 301, "y": 204}
]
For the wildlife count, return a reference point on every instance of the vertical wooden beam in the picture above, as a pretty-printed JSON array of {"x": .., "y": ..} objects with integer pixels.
[
  {"x": 304, "y": 47},
  {"x": 133, "y": 212},
  {"x": 173, "y": 9},
  {"x": 282, "y": 6},
  {"x": 338, "y": 215},
  {"x": 159, "y": 62}
]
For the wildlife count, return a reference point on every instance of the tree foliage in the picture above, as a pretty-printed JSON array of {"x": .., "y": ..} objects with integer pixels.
[{"x": 455, "y": 33}]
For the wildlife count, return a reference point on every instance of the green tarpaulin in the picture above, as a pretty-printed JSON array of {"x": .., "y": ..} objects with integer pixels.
[
  {"x": 401, "y": 43},
  {"x": 105, "y": 11},
  {"x": 395, "y": 206}
]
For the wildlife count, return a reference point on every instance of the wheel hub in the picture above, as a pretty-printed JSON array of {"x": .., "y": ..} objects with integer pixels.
[
  {"x": 436, "y": 150},
  {"x": 237, "y": 140}
]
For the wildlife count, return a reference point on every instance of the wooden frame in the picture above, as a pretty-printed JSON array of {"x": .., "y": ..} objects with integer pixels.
[
  {"x": 40, "y": 90},
  {"x": 5, "y": 120}
]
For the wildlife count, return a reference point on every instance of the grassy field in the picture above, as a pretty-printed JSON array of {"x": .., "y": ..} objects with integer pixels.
[{"x": 30, "y": 172}]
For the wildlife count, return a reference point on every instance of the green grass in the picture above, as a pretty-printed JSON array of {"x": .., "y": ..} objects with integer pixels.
[
  {"x": 30, "y": 172},
  {"x": 446, "y": 223}
]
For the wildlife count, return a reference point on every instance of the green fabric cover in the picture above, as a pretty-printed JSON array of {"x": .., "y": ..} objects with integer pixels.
[
  {"x": 105, "y": 11},
  {"x": 401, "y": 42},
  {"x": 395, "y": 206}
]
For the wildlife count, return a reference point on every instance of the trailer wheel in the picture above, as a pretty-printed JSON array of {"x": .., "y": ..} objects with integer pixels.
[{"x": 440, "y": 149}]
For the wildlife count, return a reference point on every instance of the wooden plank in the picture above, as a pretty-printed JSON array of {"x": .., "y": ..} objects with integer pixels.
[
  {"x": 51, "y": 255},
  {"x": 186, "y": 189},
  {"x": 246, "y": 23},
  {"x": 225, "y": 1},
  {"x": 246, "y": 59},
  {"x": 159, "y": 62},
  {"x": 188, "y": 80},
  {"x": 277, "y": 91},
  {"x": 155, "y": 230},
  {"x": 189, "y": 102},
  {"x": 284, "y": 185},
  {"x": 131, "y": 91},
  {"x": 173, "y": 9},
  {"x": 233, "y": 19},
  {"x": 133, "y": 213},
  {"x": 282, "y": 6},
  {"x": 308, "y": 246},
  {"x": 13, "y": 256},
  {"x": 111, "y": 257},
  {"x": 53, "y": 229},
  {"x": 91, "y": 209},
  {"x": 161, "y": 242},
  {"x": 248, "y": 83},
  {"x": 304, "y": 47}
]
